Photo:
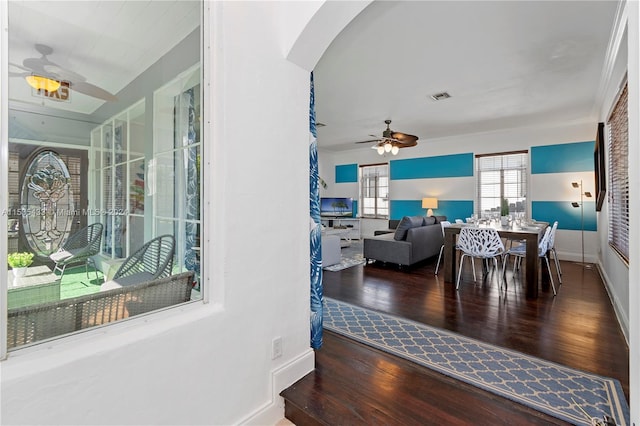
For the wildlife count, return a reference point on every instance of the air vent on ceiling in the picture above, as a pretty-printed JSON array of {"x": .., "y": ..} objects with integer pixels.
[{"x": 440, "y": 96}]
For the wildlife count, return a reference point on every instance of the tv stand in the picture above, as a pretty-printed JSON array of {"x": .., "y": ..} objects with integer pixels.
[{"x": 351, "y": 224}]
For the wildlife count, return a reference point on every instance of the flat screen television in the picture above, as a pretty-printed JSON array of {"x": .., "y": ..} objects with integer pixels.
[{"x": 336, "y": 207}]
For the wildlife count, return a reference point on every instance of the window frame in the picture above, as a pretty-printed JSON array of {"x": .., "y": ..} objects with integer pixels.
[
  {"x": 205, "y": 62},
  {"x": 376, "y": 187},
  {"x": 523, "y": 183}
]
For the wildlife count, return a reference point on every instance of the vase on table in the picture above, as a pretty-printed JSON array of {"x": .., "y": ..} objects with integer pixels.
[{"x": 19, "y": 272}]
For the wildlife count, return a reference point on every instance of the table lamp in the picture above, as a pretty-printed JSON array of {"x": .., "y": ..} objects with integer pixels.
[{"x": 429, "y": 203}]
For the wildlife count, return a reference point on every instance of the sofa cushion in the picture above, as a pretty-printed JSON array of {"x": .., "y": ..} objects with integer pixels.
[
  {"x": 428, "y": 220},
  {"x": 440, "y": 218},
  {"x": 406, "y": 223}
]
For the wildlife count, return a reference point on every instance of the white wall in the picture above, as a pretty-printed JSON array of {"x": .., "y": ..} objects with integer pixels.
[{"x": 207, "y": 363}]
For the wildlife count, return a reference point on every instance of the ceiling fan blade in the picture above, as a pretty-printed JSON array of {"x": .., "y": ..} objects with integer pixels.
[
  {"x": 404, "y": 138},
  {"x": 369, "y": 141},
  {"x": 92, "y": 90},
  {"x": 63, "y": 74}
]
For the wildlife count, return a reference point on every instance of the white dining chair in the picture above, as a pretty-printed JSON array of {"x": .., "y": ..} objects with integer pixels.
[
  {"x": 444, "y": 224},
  {"x": 552, "y": 250},
  {"x": 483, "y": 243},
  {"x": 521, "y": 252}
]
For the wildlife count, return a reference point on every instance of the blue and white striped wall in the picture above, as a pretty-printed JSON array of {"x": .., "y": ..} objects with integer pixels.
[
  {"x": 553, "y": 169},
  {"x": 450, "y": 178}
]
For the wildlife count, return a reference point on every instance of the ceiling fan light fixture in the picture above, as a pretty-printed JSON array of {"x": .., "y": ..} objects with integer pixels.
[
  {"x": 380, "y": 149},
  {"x": 387, "y": 146},
  {"x": 395, "y": 150},
  {"x": 39, "y": 82}
]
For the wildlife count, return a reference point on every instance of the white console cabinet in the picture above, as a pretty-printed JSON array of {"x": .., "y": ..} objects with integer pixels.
[{"x": 349, "y": 223}]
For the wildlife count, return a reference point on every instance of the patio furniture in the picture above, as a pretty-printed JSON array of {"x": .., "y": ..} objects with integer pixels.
[
  {"x": 38, "y": 285},
  {"x": 35, "y": 323},
  {"x": 151, "y": 261},
  {"x": 79, "y": 248}
]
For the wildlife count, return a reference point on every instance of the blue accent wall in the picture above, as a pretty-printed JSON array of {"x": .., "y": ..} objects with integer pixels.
[
  {"x": 568, "y": 217},
  {"x": 433, "y": 167},
  {"x": 452, "y": 209},
  {"x": 568, "y": 157},
  {"x": 346, "y": 173}
]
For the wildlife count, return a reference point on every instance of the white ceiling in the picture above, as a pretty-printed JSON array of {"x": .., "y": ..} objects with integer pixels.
[
  {"x": 108, "y": 43},
  {"x": 506, "y": 64}
]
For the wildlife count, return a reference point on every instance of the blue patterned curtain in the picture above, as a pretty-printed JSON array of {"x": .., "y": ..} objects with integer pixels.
[
  {"x": 315, "y": 228},
  {"x": 186, "y": 137}
]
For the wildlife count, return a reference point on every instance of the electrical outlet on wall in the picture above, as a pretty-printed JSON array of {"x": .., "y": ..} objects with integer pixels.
[{"x": 276, "y": 347}]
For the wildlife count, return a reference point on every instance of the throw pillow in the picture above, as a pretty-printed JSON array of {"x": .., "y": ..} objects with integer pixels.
[{"x": 405, "y": 224}]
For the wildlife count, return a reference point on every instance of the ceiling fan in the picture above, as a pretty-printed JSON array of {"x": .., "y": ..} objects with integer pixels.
[
  {"x": 392, "y": 141},
  {"x": 41, "y": 73}
]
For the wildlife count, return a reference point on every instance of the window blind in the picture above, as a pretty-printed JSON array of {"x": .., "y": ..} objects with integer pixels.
[
  {"x": 502, "y": 176},
  {"x": 619, "y": 177}
]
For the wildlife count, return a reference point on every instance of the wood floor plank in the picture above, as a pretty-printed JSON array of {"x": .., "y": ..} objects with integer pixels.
[{"x": 355, "y": 384}]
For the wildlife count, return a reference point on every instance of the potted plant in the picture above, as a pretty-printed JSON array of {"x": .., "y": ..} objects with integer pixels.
[
  {"x": 504, "y": 212},
  {"x": 19, "y": 262}
]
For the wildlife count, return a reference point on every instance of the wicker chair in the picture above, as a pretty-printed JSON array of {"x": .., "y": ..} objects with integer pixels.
[
  {"x": 79, "y": 248},
  {"x": 35, "y": 323},
  {"x": 152, "y": 261}
]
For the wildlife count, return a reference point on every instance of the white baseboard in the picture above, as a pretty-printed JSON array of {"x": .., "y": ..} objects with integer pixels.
[
  {"x": 281, "y": 378},
  {"x": 623, "y": 320}
]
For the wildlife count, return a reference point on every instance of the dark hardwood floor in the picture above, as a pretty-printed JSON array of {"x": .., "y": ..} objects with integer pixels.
[{"x": 354, "y": 384}]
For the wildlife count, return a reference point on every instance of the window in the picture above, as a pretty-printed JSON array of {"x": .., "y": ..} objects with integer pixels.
[
  {"x": 502, "y": 177},
  {"x": 374, "y": 191},
  {"x": 119, "y": 147},
  {"x": 619, "y": 177}
]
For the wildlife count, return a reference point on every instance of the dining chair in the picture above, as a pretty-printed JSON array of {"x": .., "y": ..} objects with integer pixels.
[
  {"x": 552, "y": 249},
  {"x": 483, "y": 243},
  {"x": 521, "y": 252},
  {"x": 444, "y": 224}
]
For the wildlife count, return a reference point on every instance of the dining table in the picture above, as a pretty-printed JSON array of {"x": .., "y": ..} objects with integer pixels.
[{"x": 531, "y": 233}]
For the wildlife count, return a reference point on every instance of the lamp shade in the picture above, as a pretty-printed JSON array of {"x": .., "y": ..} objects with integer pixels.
[{"x": 429, "y": 204}]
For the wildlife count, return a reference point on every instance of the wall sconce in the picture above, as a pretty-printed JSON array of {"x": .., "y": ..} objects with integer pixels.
[
  {"x": 429, "y": 203},
  {"x": 581, "y": 205}
]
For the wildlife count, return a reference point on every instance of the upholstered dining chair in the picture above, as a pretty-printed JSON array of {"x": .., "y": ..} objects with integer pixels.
[
  {"x": 521, "y": 252},
  {"x": 483, "y": 243},
  {"x": 79, "y": 248}
]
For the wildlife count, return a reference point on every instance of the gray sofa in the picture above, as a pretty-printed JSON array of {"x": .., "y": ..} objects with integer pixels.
[{"x": 416, "y": 238}]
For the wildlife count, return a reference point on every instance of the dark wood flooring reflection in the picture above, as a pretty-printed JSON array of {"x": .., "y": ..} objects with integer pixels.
[{"x": 354, "y": 384}]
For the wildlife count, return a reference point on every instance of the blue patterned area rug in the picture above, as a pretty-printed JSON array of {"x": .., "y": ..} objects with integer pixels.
[{"x": 570, "y": 395}]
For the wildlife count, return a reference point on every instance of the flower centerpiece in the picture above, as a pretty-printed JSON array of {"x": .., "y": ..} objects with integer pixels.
[{"x": 19, "y": 262}]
